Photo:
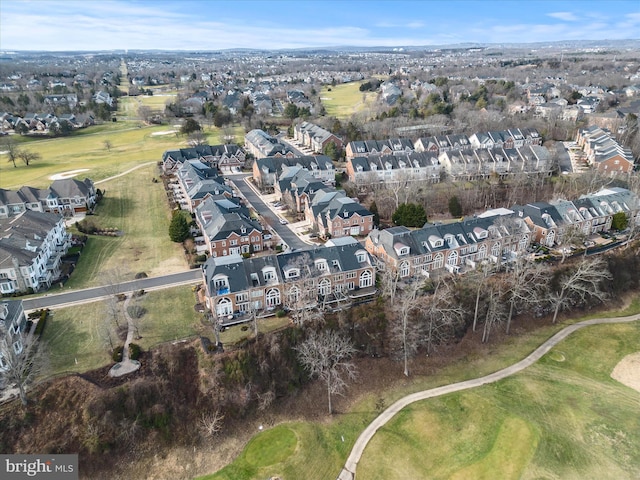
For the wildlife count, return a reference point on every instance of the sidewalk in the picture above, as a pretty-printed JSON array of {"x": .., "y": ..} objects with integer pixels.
[{"x": 126, "y": 365}]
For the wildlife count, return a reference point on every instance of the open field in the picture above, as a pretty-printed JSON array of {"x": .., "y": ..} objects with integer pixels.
[
  {"x": 346, "y": 99},
  {"x": 75, "y": 334},
  {"x": 138, "y": 208},
  {"x": 130, "y": 146},
  {"x": 561, "y": 413},
  {"x": 128, "y": 106}
]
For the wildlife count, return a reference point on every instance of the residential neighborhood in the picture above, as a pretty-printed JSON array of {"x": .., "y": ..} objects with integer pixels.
[{"x": 310, "y": 262}]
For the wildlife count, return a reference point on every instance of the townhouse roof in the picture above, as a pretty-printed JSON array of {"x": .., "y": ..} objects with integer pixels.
[
  {"x": 219, "y": 218},
  {"x": 242, "y": 274}
]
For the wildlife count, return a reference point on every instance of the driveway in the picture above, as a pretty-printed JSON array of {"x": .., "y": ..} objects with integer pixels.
[
  {"x": 270, "y": 218},
  {"x": 349, "y": 470}
]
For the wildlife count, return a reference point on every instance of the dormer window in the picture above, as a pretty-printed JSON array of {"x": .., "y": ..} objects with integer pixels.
[
  {"x": 269, "y": 274},
  {"x": 292, "y": 273},
  {"x": 361, "y": 257},
  {"x": 436, "y": 241}
]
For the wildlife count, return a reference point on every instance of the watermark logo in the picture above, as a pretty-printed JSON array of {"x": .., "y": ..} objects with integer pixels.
[{"x": 50, "y": 467}]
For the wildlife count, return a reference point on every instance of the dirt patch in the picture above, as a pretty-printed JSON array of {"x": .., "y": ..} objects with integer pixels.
[
  {"x": 627, "y": 371},
  {"x": 165, "y": 132}
]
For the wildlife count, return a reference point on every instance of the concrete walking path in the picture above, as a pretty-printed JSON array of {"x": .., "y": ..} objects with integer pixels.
[
  {"x": 123, "y": 173},
  {"x": 349, "y": 470},
  {"x": 126, "y": 365}
]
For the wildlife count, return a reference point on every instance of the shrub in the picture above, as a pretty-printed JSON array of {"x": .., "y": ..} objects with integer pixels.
[
  {"x": 134, "y": 351},
  {"x": 116, "y": 355},
  {"x": 201, "y": 258},
  {"x": 136, "y": 311},
  {"x": 140, "y": 275},
  {"x": 138, "y": 293},
  {"x": 121, "y": 297},
  {"x": 42, "y": 316},
  {"x": 281, "y": 313}
]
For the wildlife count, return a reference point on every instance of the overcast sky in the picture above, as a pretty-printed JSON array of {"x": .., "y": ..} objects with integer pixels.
[{"x": 89, "y": 25}]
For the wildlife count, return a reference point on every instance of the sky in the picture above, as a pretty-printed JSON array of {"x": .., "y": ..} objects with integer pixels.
[{"x": 93, "y": 25}]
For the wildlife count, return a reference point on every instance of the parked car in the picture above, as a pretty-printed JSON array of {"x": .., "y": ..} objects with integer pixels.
[{"x": 283, "y": 221}]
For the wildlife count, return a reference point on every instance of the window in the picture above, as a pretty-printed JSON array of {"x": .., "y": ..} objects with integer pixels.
[
  {"x": 224, "y": 307},
  {"x": 272, "y": 298},
  {"x": 321, "y": 264},
  {"x": 439, "y": 261},
  {"x": 351, "y": 275},
  {"x": 495, "y": 250},
  {"x": 366, "y": 279},
  {"x": 452, "y": 259},
  {"x": 361, "y": 256},
  {"x": 404, "y": 269},
  {"x": 292, "y": 273},
  {"x": 294, "y": 294},
  {"x": 324, "y": 287},
  {"x": 233, "y": 242},
  {"x": 242, "y": 297},
  {"x": 224, "y": 243},
  {"x": 220, "y": 282},
  {"x": 268, "y": 275}
]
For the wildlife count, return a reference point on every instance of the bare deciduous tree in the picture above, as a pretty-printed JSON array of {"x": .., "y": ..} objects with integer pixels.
[
  {"x": 23, "y": 359},
  {"x": 442, "y": 314},
  {"x": 495, "y": 312},
  {"x": 524, "y": 284},
  {"x": 301, "y": 295},
  {"x": 211, "y": 423},
  {"x": 578, "y": 283},
  {"x": 405, "y": 330},
  {"x": 27, "y": 156},
  {"x": 327, "y": 355}
]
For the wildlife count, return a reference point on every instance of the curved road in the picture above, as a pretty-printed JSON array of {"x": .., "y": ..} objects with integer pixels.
[
  {"x": 88, "y": 295},
  {"x": 349, "y": 470}
]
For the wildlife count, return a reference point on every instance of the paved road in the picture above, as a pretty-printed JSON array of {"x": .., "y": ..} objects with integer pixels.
[
  {"x": 349, "y": 470},
  {"x": 270, "y": 218},
  {"x": 53, "y": 300}
]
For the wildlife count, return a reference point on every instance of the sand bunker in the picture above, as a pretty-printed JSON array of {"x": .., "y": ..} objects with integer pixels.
[
  {"x": 627, "y": 371},
  {"x": 165, "y": 132},
  {"x": 69, "y": 174}
]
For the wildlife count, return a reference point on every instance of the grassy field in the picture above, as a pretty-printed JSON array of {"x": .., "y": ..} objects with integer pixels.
[
  {"x": 346, "y": 99},
  {"x": 551, "y": 410},
  {"x": 130, "y": 146},
  {"x": 170, "y": 316},
  {"x": 559, "y": 419},
  {"x": 138, "y": 207},
  {"x": 75, "y": 335},
  {"x": 128, "y": 106}
]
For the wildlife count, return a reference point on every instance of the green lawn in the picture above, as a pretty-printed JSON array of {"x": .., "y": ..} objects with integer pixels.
[
  {"x": 132, "y": 143},
  {"x": 130, "y": 146},
  {"x": 236, "y": 333},
  {"x": 138, "y": 207},
  {"x": 558, "y": 419},
  {"x": 346, "y": 99},
  {"x": 75, "y": 335},
  {"x": 170, "y": 316},
  {"x": 478, "y": 429}
]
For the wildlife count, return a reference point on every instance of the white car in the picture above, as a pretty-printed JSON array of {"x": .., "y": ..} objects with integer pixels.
[{"x": 283, "y": 221}]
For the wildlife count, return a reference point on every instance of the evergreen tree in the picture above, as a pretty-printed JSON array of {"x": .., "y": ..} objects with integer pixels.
[
  {"x": 410, "y": 215},
  {"x": 179, "y": 228},
  {"x": 376, "y": 216},
  {"x": 455, "y": 208}
]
